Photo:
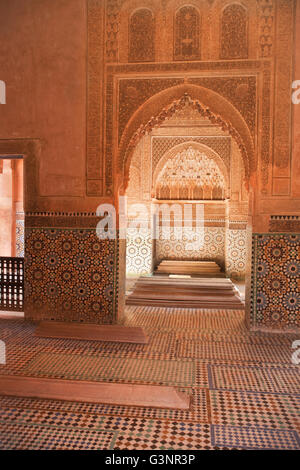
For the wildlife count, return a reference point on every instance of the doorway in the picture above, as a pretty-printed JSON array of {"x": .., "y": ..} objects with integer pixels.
[
  {"x": 11, "y": 234},
  {"x": 188, "y": 161}
]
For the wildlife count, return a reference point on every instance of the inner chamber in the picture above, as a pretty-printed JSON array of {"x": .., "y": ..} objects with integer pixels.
[{"x": 189, "y": 162}]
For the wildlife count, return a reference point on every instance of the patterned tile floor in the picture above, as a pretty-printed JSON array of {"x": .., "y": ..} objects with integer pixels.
[{"x": 245, "y": 390}]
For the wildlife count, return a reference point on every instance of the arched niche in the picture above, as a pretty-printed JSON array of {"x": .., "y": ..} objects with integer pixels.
[
  {"x": 141, "y": 36},
  {"x": 217, "y": 9},
  {"x": 187, "y": 33},
  {"x": 173, "y": 7},
  {"x": 127, "y": 11},
  {"x": 198, "y": 147},
  {"x": 234, "y": 35},
  {"x": 163, "y": 105}
]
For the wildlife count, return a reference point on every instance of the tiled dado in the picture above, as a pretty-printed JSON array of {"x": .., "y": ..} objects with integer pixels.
[
  {"x": 212, "y": 246},
  {"x": 71, "y": 275},
  {"x": 19, "y": 237},
  {"x": 236, "y": 251},
  {"x": 275, "y": 298},
  {"x": 139, "y": 252}
]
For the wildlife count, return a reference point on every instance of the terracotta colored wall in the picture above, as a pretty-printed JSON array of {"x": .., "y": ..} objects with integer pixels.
[
  {"x": 43, "y": 62},
  {"x": 281, "y": 194},
  {"x": 296, "y": 112},
  {"x": 275, "y": 255}
]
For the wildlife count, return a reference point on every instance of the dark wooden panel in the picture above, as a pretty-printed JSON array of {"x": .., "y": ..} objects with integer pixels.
[{"x": 12, "y": 284}]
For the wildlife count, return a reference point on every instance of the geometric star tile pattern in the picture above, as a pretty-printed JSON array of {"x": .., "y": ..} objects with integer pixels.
[
  {"x": 243, "y": 386},
  {"x": 275, "y": 280},
  {"x": 70, "y": 274}
]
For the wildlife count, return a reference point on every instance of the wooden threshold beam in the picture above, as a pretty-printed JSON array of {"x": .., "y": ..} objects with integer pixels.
[
  {"x": 94, "y": 392},
  {"x": 91, "y": 332}
]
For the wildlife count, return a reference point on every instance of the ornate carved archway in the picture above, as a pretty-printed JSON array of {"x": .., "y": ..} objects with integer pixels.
[
  {"x": 163, "y": 105},
  {"x": 198, "y": 147}
]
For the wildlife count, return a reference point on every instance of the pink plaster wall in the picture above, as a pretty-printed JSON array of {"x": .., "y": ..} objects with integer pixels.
[
  {"x": 296, "y": 112},
  {"x": 43, "y": 62}
]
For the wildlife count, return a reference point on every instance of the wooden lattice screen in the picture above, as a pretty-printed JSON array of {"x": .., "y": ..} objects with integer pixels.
[{"x": 12, "y": 284}]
